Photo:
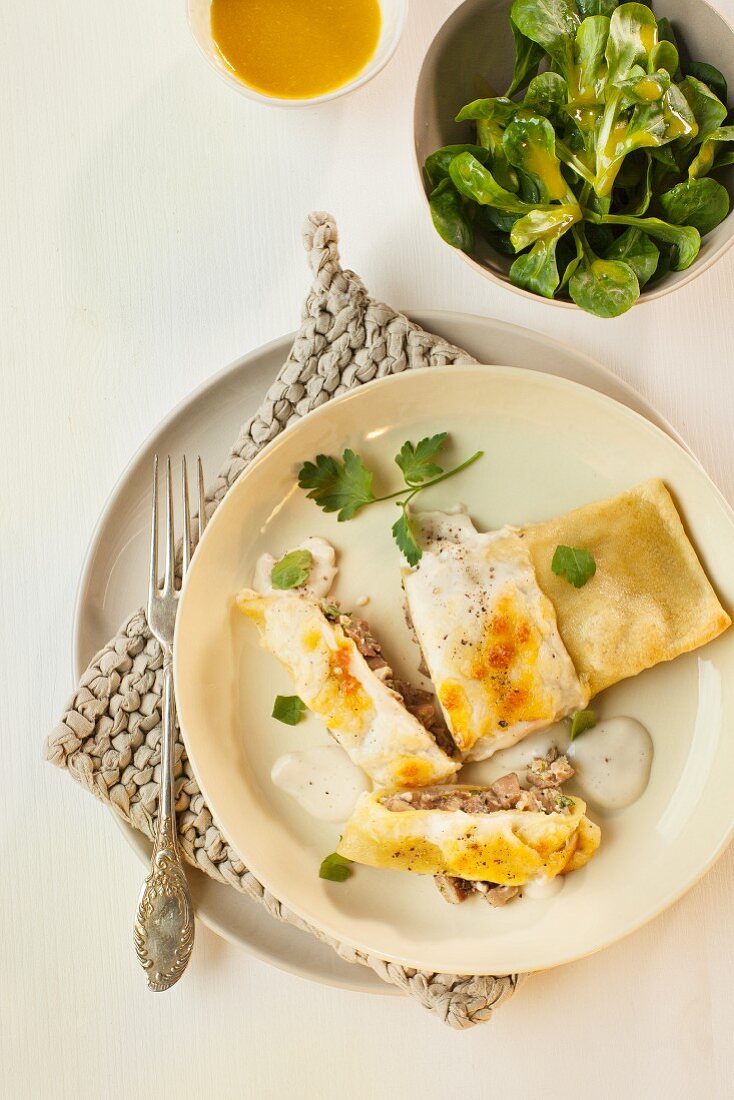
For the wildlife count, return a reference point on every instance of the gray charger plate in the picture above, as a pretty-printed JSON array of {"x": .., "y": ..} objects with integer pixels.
[{"x": 114, "y": 576}]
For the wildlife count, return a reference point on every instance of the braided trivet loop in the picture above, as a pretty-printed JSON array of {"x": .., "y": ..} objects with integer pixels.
[{"x": 109, "y": 737}]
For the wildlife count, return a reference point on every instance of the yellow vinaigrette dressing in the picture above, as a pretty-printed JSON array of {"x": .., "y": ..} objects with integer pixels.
[{"x": 295, "y": 49}]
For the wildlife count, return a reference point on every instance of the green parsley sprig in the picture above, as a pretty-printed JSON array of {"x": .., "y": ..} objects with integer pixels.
[{"x": 345, "y": 485}]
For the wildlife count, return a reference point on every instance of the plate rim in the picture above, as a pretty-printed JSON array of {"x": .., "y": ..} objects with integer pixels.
[{"x": 321, "y": 413}]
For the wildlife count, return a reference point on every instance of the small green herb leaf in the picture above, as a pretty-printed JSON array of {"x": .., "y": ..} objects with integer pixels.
[
  {"x": 582, "y": 721},
  {"x": 576, "y": 564},
  {"x": 335, "y": 868},
  {"x": 416, "y": 460},
  {"x": 288, "y": 709},
  {"x": 338, "y": 486},
  {"x": 292, "y": 570},
  {"x": 404, "y": 536},
  {"x": 563, "y": 801}
]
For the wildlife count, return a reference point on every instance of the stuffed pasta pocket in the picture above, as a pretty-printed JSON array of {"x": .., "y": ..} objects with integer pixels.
[{"x": 451, "y": 830}]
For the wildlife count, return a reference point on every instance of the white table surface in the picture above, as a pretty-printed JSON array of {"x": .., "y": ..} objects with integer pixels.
[{"x": 150, "y": 234}]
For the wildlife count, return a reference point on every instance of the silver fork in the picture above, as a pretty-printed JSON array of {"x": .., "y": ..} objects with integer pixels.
[{"x": 164, "y": 922}]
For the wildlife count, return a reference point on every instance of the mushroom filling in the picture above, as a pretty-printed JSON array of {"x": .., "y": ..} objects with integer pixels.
[
  {"x": 418, "y": 702},
  {"x": 544, "y": 794}
]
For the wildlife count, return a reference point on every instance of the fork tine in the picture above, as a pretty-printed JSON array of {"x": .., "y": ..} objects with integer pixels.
[
  {"x": 202, "y": 497},
  {"x": 186, "y": 519},
  {"x": 168, "y": 577},
  {"x": 153, "y": 578}
]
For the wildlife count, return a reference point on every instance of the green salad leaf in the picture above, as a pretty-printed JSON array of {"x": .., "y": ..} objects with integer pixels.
[
  {"x": 713, "y": 152},
  {"x": 530, "y": 144},
  {"x": 476, "y": 182},
  {"x": 537, "y": 270},
  {"x": 707, "y": 109},
  {"x": 528, "y": 55},
  {"x": 636, "y": 249},
  {"x": 590, "y": 50},
  {"x": 450, "y": 218},
  {"x": 437, "y": 165},
  {"x": 597, "y": 7},
  {"x": 685, "y": 239},
  {"x": 664, "y": 56},
  {"x": 702, "y": 203},
  {"x": 711, "y": 77},
  {"x": 547, "y": 96},
  {"x": 633, "y": 33},
  {"x": 607, "y": 288},
  {"x": 550, "y": 23}
]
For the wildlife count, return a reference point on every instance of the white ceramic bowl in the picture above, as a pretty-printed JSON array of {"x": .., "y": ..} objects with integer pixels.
[
  {"x": 472, "y": 55},
  {"x": 393, "y": 12}
]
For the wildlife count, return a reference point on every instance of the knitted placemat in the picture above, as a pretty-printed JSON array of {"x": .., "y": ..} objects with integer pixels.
[{"x": 109, "y": 737}]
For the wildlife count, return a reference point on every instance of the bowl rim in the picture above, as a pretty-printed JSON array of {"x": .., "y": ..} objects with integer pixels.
[
  {"x": 366, "y": 74},
  {"x": 665, "y": 287}
]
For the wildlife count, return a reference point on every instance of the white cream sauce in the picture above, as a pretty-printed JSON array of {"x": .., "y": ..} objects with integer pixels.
[
  {"x": 612, "y": 762},
  {"x": 518, "y": 757},
  {"x": 323, "y": 568},
  {"x": 541, "y": 888},
  {"x": 323, "y": 780}
]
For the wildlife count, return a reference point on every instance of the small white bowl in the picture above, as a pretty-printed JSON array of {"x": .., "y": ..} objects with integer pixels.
[{"x": 393, "y": 14}]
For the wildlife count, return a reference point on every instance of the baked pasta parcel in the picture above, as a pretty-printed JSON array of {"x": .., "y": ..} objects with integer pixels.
[
  {"x": 649, "y": 599},
  {"x": 512, "y": 647},
  {"x": 388, "y": 728},
  {"x": 504, "y": 835},
  {"x": 488, "y": 634}
]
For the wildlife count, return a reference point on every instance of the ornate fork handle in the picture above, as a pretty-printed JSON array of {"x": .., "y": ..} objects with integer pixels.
[{"x": 164, "y": 922}]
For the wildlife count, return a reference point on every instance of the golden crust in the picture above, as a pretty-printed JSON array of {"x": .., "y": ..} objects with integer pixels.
[
  {"x": 335, "y": 682},
  {"x": 649, "y": 600},
  {"x": 489, "y": 637},
  {"x": 507, "y": 846}
]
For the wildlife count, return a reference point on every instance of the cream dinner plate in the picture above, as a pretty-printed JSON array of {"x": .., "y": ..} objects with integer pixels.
[
  {"x": 114, "y": 575},
  {"x": 550, "y": 445}
]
